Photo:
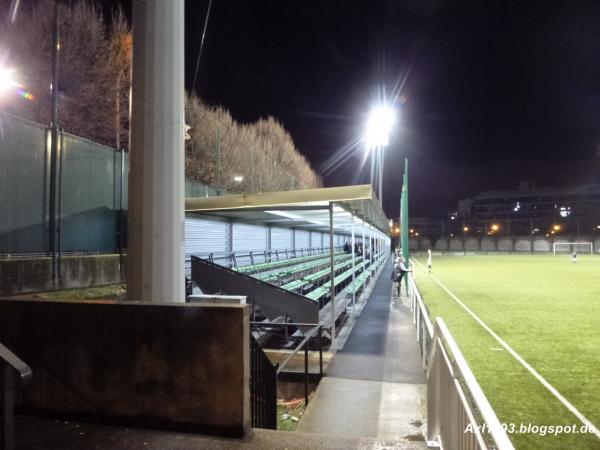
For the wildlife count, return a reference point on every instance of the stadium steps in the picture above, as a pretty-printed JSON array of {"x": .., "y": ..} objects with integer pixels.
[{"x": 35, "y": 433}]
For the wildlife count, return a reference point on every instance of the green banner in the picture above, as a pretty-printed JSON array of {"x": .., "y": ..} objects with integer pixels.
[{"x": 404, "y": 214}]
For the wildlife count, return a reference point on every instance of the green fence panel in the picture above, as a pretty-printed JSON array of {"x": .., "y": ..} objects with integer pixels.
[
  {"x": 90, "y": 196},
  {"x": 92, "y": 191},
  {"x": 22, "y": 186}
]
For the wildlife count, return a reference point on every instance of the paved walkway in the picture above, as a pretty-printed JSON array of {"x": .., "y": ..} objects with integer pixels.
[{"x": 375, "y": 386}]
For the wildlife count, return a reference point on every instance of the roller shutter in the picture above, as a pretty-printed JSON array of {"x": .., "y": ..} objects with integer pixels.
[
  {"x": 302, "y": 239},
  {"x": 316, "y": 239},
  {"x": 281, "y": 239},
  {"x": 204, "y": 236},
  {"x": 249, "y": 237}
]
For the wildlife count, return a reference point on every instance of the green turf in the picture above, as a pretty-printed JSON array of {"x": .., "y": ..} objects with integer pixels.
[
  {"x": 288, "y": 415},
  {"x": 112, "y": 292},
  {"x": 548, "y": 310}
]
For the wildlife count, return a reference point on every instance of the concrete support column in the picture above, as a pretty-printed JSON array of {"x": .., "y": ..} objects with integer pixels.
[
  {"x": 331, "y": 275},
  {"x": 155, "y": 262},
  {"x": 353, "y": 274}
]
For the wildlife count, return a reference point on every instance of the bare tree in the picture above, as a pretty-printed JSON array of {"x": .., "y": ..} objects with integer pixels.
[
  {"x": 253, "y": 157},
  {"x": 92, "y": 53},
  {"x": 94, "y": 87}
]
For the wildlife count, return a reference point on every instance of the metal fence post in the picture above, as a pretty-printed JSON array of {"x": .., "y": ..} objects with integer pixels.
[
  {"x": 320, "y": 351},
  {"x": 306, "y": 374},
  {"x": 7, "y": 393}
]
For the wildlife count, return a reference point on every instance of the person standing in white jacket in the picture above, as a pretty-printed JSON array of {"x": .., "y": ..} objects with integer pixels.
[{"x": 429, "y": 260}]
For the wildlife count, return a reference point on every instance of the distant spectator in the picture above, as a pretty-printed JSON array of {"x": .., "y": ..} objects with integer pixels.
[
  {"x": 400, "y": 269},
  {"x": 347, "y": 248},
  {"x": 429, "y": 260}
]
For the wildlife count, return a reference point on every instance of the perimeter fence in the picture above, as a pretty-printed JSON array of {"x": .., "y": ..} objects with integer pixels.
[{"x": 88, "y": 197}]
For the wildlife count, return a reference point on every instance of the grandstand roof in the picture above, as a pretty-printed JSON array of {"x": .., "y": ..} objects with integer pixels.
[{"x": 307, "y": 209}]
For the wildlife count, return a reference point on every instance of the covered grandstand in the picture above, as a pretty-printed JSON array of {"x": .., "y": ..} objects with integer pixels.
[{"x": 290, "y": 253}]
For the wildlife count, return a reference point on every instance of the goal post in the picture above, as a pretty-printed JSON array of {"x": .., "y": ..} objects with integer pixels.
[{"x": 564, "y": 248}]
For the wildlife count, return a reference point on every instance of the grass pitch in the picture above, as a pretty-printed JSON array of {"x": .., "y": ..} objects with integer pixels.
[{"x": 548, "y": 310}]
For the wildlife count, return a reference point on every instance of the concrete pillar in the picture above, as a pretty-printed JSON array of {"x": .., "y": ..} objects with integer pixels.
[{"x": 155, "y": 262}]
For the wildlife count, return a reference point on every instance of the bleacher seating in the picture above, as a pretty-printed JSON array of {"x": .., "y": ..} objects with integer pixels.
[
  {"x": 316, "y": 276},
  {"x": 262, "y": 267},
  {"x": 304, "y": 275},
  {"x": 291, "y": 271}
]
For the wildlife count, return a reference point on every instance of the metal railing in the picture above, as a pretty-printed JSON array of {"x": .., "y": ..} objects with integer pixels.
[
  {"x": 263, "y": 388},
  {"x": 235, "y": 259},
  {"x": 14, "y": 374},
  {"x": 459, "y": 416},
  {"x": 316, "y": 331}
]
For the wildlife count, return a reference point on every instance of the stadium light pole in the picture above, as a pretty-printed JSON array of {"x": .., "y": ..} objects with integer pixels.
[{"x": 377, "y": 136}]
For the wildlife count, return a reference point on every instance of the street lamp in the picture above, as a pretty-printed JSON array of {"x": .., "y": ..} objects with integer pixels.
[{"x": 377, "y": 135}]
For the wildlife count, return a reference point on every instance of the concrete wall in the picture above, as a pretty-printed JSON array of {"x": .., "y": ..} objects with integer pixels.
[
  {"x": 172, "y": 366},
  {"x": 471, "y": 244},
  {"x": 456, "y": 244},
  {"x": 441, "y": 244},
  {"x": 504, "y": 243},
  {"x": 523, "y": 244},
  {"x": 22, "y": 275}
]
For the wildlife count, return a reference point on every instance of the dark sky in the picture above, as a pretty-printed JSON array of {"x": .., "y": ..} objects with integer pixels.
[{"x": 494, "y": 91}]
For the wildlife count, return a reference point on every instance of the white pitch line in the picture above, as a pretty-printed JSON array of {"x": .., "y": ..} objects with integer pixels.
[{"x": 591, "y": 427}]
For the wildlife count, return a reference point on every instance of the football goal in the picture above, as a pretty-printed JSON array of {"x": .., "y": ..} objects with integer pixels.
[{"x": 570, "y": 247}]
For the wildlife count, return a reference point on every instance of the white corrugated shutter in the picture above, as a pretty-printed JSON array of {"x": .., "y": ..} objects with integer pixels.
[
  {"x": 281, "y": 239},
  {"x": 204, "y": 236},
  {"x": 249, "y": 237},
  {"x": 325, "y": 237},
  {"x": 315, "y": 239},
  {"x": 302, "y": 239}
]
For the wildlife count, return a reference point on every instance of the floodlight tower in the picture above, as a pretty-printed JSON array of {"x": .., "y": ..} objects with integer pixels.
[{"x": 377, "y": 136}]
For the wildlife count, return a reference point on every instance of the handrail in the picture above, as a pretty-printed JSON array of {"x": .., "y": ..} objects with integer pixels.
[
  {"x": 307, "y": 337},
  {"x": 417, "y": 302},
  {"x": 460, "y": 370},
  {"x": 22, "y": 370},
  {"x": 443, "y": 359},
  {"x": 14, "y": 374},
  {"x": 318, "y": 329}
]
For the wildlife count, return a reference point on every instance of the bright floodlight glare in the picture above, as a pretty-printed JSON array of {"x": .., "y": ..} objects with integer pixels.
[
  {"x": 7, "y": 80},
  {"x": 238, "y": 178},
  {"x": 380, "y": 123}
]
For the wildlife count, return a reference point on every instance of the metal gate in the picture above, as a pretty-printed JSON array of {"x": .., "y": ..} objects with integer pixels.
[{"x": 263, "y": 388}]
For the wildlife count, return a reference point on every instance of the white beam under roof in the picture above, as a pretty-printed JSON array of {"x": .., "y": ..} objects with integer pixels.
[{"x": 307, "y": 209}]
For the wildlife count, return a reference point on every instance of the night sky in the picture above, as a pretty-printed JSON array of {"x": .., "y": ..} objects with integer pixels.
[{"x": 491, "y": 92}]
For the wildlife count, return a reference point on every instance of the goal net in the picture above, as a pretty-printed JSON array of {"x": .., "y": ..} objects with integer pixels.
[{"x": 570, "y": 247}]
